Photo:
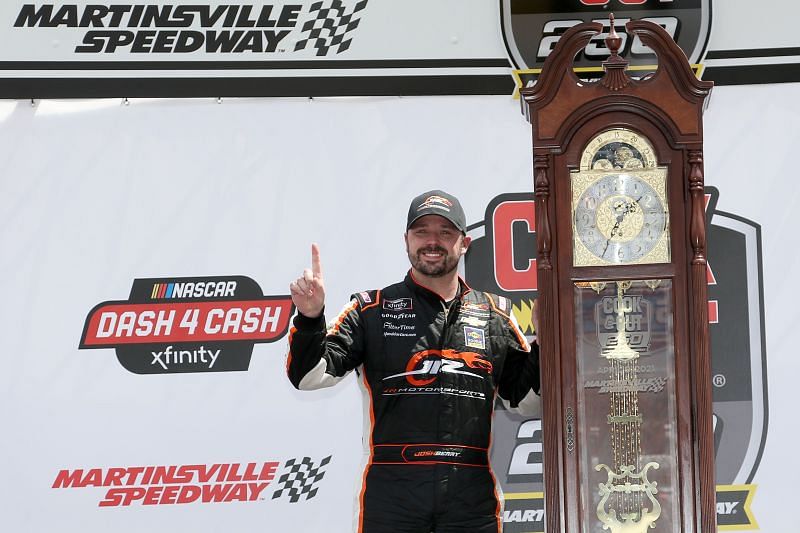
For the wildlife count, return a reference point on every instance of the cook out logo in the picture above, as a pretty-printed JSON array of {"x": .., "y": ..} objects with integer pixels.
[
  {"x": 424, "y": 366},
  {"x": 638, "y": 315},
  {"x": 502, "y": 259},
  {"x": 532, "y": 29},
  {"x": 197, "y": 324}
]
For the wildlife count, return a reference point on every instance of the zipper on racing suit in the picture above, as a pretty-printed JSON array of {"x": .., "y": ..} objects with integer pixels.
[{"x": 442, "y": 471}]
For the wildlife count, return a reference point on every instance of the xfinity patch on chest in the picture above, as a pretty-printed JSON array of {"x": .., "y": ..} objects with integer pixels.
[{"x": 400, "y": 304}]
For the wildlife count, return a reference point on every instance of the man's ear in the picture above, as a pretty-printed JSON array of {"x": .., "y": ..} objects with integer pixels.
[{"x": 465, "y": 242}]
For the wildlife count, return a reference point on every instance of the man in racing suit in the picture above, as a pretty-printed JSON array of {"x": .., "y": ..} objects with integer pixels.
[{"x": 432, "y": 353}]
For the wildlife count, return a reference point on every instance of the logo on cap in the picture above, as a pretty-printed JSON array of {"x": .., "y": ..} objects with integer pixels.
[{"x": 435, "y": 202}]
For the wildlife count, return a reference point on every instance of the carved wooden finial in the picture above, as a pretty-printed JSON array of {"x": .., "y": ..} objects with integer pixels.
[
  {"x": 616, "y": 78},
  {"x": 613, "y": 41}
]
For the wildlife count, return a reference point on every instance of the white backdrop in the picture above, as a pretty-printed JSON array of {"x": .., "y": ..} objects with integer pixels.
[{"x": 96, "y": 194}]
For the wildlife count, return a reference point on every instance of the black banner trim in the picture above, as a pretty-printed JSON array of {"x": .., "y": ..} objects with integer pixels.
[
  {"x": 757, "y": 52},
  {"x": 255, "y": 65}
]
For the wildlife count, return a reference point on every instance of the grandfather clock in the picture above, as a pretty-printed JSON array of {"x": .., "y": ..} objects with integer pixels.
[{"x": 620, "y": 221}]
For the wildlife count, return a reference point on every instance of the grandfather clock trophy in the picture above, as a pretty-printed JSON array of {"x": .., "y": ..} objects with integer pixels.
[{"x": 620, "y": 221}]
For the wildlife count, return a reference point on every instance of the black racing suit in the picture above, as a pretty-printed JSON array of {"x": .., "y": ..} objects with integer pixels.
[{"x": 432, "y": 372}]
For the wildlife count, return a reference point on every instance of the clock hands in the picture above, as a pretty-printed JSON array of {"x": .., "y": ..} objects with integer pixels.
[
  {"x": 630, "y": 207},
  {"x": 621, "y": 209},
  {"x": 615, "y": 218}
]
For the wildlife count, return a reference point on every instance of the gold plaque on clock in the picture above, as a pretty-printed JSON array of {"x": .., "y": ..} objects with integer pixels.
[{"x": 620, "y": 213}]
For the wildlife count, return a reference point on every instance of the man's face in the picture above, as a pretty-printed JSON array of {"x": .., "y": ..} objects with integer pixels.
[{"x": 435, "y": 245}]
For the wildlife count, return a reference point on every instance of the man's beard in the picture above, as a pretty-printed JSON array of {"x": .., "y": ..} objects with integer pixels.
[{"x": 444, "y": 266}]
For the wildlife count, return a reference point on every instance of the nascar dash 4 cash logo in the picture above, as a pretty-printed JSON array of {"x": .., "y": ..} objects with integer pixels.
[
  {"x": 531, "y": 30},
  {"x": 297, "y": 479},
  {"x": 197, "y": 324},
  {"x": 502, "y": 259},
  {"x": 184, "y": 29}
]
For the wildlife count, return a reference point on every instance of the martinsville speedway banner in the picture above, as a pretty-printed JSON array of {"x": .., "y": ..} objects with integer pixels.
[
  {"x": 148, "y": 48},
  {"x": 147, "y": 252}
]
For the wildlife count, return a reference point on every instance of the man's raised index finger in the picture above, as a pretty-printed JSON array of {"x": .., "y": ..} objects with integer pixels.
[{"x": 316, "y": 266}]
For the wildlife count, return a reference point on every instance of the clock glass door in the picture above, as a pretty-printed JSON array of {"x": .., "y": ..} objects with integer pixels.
[{"x": 627, "y": 427}]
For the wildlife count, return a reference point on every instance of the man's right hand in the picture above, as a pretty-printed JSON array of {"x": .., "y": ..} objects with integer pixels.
[{"x": 308, "y": 291}]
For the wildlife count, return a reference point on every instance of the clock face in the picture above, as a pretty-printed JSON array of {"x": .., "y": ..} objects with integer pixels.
[{"x": 619, "y": 206}]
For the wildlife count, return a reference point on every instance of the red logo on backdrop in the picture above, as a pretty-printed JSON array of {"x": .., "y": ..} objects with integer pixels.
[
  {"x": 171, "y": 325},
  {"x": 510, "y": 216}
]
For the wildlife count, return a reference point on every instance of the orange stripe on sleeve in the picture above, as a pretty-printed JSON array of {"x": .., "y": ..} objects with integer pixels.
[
  {"x": 520, "y": 337},
  {"x": 339, "y": 319},
  {"x": 494, "y": 305},
  {"x": 377, "y": 300},
  {"x": 289, "y": 355}
]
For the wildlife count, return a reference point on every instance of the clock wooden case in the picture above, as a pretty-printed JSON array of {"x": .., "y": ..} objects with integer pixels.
[{"x": 620, "y": 222}]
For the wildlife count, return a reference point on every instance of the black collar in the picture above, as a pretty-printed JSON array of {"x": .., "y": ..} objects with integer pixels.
[{"x": 425, "y": 292}]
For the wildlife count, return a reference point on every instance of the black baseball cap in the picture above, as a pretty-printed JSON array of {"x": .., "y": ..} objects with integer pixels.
[{"x": 438, "y": 203}]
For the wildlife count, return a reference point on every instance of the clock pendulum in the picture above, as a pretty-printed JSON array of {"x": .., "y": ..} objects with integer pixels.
[{"x": 622, "y": 507}]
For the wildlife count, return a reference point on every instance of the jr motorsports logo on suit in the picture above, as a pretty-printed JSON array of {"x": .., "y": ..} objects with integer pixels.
[
  {"x": 502, "y": 259},
  {"x": 197, "y": 324}
]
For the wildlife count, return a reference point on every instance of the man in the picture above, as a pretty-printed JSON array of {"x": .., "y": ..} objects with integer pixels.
[{"x": 432, "y": 353}]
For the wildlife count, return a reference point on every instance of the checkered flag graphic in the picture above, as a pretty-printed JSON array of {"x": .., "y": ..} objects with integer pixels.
[
  {"x": 300, "y": 479},
  {"x": 330, "y": 28}
]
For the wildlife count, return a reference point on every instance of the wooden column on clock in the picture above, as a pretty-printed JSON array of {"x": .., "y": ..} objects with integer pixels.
[{"x": 620, "y": 224}]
